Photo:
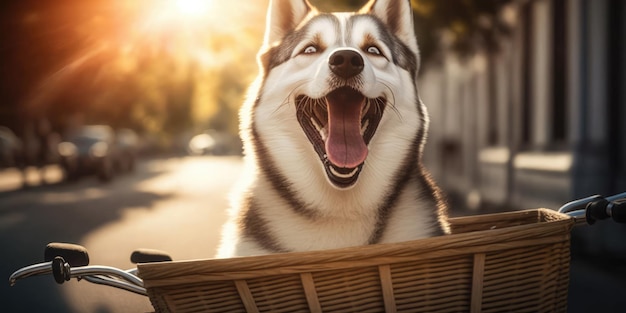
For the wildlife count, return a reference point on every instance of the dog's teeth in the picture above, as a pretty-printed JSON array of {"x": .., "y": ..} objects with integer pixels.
[
  {"x": 366, "y": 108},
  {"x": 364, "y": 127},
  {"x": 349, "y": 175},
  {"x": 317, "y": 126},
  {"x": 321, "y": 130}
]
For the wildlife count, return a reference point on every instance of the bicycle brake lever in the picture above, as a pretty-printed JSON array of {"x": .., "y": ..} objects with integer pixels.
[{"x": 74, "y": 255}]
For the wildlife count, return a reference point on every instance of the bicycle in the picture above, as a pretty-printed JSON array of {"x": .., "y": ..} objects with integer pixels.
[{"x": 500, "y": 262}]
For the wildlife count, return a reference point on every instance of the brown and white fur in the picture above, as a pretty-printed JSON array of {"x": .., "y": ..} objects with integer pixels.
[{"x": 333, "y": 133}]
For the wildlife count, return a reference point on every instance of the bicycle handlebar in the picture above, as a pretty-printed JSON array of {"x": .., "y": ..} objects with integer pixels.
[
  {"x": 591, "y": 209},
  {"x": 66, "y": 261},
  {"x": 110, "y": 276},
  {"x": 97, "y": 274}
]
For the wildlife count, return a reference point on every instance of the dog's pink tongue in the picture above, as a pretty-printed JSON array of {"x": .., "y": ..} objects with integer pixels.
[{"x": 345, "y": 147}]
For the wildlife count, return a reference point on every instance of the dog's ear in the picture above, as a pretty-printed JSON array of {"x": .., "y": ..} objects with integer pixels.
[
  {"x": 284, "y": 16},
  {"x": 397, "y": 15}
]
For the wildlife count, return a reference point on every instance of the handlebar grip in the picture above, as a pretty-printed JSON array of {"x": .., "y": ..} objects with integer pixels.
[
  {"x": 596, "y": 210},
  {"x": 60, "y": 270},
  {"x": 73, "y": 254},
  {"x": 149, "y": 256},
  {"x": 618, "y": 212}
]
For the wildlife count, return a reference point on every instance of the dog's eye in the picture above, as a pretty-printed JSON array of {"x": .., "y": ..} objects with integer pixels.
[
  {"x": 373, "y": 50},
  {"x": 309, "y": 50}
]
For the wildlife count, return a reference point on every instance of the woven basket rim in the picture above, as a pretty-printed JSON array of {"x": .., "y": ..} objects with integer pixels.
[{"x": 551, "y": 226}]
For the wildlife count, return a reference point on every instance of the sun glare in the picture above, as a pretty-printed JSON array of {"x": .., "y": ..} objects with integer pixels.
[
  {"x": 193, "y": 7},
  {"x": 195, "y": 14}
]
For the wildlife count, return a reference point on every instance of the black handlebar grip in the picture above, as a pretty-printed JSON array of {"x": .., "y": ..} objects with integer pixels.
[
  {"x": 596, "y": 210},
  {"x": 618, "y": 212},
  {"x": 149, "y": 256},
  {"x": 73, "y": 254},
  {"x": 60, "y": 270}
]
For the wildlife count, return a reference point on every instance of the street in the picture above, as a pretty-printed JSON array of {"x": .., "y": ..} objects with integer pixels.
[{"x": 174, "y": 204}]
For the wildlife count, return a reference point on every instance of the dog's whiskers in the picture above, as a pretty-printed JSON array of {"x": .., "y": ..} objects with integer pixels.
[
  {"x": 392, "y": 101},
  {"x": 289, "y": 97}
]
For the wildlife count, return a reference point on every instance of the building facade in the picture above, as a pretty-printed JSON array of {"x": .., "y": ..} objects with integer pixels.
[{"x": 541, "y": 121}]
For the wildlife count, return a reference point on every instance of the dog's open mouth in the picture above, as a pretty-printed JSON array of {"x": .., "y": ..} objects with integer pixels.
[{"x": 340, "y": 126}]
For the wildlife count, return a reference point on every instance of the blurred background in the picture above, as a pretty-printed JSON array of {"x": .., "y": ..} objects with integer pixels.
[{"x": 118, "y": 126}]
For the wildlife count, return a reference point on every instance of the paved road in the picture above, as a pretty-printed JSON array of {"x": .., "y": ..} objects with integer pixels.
[{"x": 177, "y": 205}]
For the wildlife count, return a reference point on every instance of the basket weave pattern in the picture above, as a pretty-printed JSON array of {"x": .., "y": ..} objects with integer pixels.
[{"x": 508, "y": 262}]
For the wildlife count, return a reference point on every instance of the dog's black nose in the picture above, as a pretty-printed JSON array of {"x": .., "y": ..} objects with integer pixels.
[{"x": 346, "y": 63}]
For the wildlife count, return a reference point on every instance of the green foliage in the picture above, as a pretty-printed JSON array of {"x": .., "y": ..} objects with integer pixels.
[
  {"x": 129, "y": 64},
  {"x": 472, "y": 24}
]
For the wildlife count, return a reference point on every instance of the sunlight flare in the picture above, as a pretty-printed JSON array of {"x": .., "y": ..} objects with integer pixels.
[{"x": 193, "y": 7}]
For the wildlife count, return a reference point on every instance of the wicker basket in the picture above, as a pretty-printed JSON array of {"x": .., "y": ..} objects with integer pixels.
[{"x": 508, "y": 262}]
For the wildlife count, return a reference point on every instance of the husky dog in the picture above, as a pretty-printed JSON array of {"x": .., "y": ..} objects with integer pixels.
[{"x": 333, "y": 134}]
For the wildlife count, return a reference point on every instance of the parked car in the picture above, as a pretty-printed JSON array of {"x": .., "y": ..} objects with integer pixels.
[
  {"x": 90, "y": 150},
  {"x": 10, "y": 148},
  {"x": 212, "y": 142},
  {"x": 127, "y": 143}
]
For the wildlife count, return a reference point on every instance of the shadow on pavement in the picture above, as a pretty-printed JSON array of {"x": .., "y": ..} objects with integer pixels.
[{"x": 33, "y": 217}]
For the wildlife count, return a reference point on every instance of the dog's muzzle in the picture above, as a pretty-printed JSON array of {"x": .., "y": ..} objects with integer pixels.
[{"x": 341, "y": 124}]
